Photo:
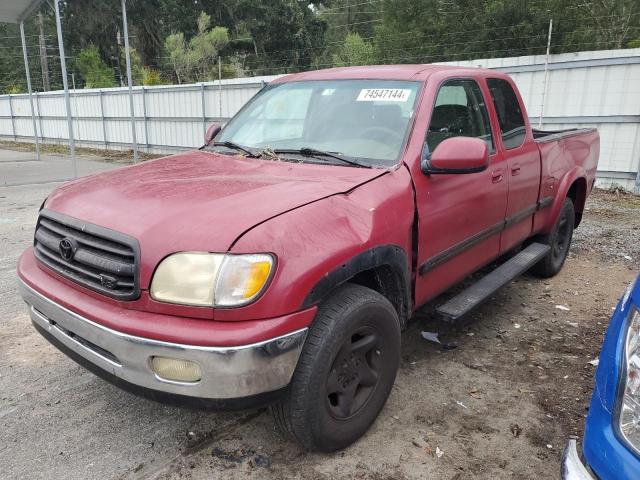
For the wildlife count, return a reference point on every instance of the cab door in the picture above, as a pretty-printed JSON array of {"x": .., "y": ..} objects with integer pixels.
[
  {"x": 522, "y": 162},
  {"x": 460, "y": 216}
]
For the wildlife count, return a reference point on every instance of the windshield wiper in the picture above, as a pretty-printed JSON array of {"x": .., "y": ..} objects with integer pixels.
[
  {"x": 312, "y": 152},
  {"x": 235, "y": 146}
]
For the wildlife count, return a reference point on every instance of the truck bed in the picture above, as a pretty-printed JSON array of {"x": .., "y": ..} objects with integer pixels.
[
  {"x": 565, "y": 154},
  {"x": 543, "y": 136}
]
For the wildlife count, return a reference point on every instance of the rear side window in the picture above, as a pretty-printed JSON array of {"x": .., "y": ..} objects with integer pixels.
[
  {"x": 459, "y": 112},
  {"x": 509, "y": 113}
]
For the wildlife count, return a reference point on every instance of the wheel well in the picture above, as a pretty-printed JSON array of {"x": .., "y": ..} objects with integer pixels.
[
  {"x": 384, "y": 280},
  {"x": 578, "y": 195},
  {"x": 383, "y": 268}
]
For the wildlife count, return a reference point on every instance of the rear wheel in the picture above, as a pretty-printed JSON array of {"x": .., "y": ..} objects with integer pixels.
[
  {"x": 345, "y": 372},
  {"x": 559, "y": 239}
]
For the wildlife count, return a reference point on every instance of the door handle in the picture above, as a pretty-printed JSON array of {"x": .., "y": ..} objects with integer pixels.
[
  {"x": 497, "y": 176},
  {"x": 515, "y": 169}
]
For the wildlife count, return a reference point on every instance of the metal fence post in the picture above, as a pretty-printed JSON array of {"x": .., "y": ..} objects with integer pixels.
[
  {"x": 204, "y": 116},
  {"x": 636, "y": 188},
  {"x": 129, "y": 82},
  {"x": 144, "y": 114},
  {"x": 28, "y": 74},
  {"x": 104, "y": 123},
  {"x": 39, "y": 115},
  {"x": 13, "y": 120}
]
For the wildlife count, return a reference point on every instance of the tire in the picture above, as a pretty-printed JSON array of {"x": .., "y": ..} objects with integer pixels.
[
  {"x": 345, "y": 372},
  {"x": 559, "y": 239}
]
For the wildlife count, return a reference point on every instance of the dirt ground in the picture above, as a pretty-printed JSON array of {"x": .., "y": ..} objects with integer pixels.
[{"x": 501, "y": 404}]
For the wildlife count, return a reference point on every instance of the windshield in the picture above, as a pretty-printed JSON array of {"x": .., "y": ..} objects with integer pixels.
[{"x": 361, "y": 119}]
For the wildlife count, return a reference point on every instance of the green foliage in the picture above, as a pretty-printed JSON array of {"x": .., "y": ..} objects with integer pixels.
[
  {"x": 12, "y": 89},
  {"x": 137, "y": 68},
  {"x": 196, "y": 60},
  {"x": 634, "y": 43},
  {"x": 94, "y": 71},
  {"x": 151, "y": 76},
  {"x": 354, "y": 51}
]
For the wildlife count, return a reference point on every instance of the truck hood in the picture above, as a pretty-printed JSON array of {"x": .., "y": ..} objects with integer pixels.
[{"x": 198, "y": 201}]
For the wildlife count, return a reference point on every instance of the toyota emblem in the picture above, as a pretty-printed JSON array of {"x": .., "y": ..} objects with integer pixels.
[{"x": 67, "y": 248}]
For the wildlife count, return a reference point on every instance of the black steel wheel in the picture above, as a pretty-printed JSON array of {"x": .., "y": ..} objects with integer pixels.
[
  {"x": 345, "y": 372},
  {"x": 354, "y": 373},
  {"x": 559, "y": 239}
]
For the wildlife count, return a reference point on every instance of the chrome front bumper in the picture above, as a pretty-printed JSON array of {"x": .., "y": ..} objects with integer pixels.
[
  {"x": 227, "y": 372},
  {"x": 572, "y": 466}
]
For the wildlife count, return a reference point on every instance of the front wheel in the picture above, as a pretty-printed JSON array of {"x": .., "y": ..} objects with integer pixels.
[
  {"x": 345, "y": 372},
  {"x": 559, "y": 239}
]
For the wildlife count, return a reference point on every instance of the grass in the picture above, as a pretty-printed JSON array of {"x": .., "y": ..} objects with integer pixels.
[{"x": 124, "y": 156}]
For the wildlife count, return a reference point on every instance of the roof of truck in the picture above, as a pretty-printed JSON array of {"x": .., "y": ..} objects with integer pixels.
[{"x": 387, "y": 72}]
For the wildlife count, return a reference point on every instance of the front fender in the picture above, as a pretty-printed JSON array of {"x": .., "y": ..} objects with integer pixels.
[{"x": 344, "y": 232}]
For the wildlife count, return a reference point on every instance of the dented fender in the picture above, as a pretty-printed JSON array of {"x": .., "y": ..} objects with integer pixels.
[{"x": 347, "y": 231}]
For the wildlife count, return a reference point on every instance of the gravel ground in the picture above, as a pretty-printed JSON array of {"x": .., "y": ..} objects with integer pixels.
[{"x": 499, "y": 405}]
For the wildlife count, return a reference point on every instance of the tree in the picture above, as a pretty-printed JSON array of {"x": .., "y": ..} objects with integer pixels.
[
  {"x": 615, "y": 21},
  {"x": 354, "y": 51},
  {"x": 285, "y": 35},
  {"x": 197, "y": 59},
  {"x": 94, "y": 71},
  {"x": 177, "y": 53}
]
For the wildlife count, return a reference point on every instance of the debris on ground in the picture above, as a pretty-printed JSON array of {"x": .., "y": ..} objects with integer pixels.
[
  {"x": 418, "y": 442},
  {"x": 431, "y": 336},
  {"x": 239, "y": 456}
]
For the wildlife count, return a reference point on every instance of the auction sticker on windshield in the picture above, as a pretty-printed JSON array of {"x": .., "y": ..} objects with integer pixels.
[{"x": 384, "y": 95}]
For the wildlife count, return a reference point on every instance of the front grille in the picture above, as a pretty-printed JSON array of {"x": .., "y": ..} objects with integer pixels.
[{"x": 90, "y": 255}]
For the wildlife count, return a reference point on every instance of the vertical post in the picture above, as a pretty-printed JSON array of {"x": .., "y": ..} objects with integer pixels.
[
  {"x": 65, "y": 84},
  {"x": 26, "y": 69},
  {"x": 129, "y": 81},
  {"x": 636, "y": 188},
  {"x": 13, "y": 120},
  {"x": 220, "y": 86},
  {"x": 546, "y": 73},
  {"x": 43, "y": 58},
  {"x": 202, "y": 103},
  {"x": 39, "y": 115},
  {"x": 104, "y": 123},
  {"x": 144, "y": 114}
]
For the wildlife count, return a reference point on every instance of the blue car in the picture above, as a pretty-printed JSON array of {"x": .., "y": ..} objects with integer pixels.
[{"x": 611, "y": 443}]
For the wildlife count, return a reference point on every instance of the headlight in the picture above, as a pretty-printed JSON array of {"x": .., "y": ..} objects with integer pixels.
[
  {"x": 630, "y": 404},
  {"x": 211, "y": 279}
]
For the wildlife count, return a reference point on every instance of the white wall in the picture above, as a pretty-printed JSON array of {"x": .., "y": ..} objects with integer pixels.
[
  {"x": 586, "y": 89},
  {"x": 168, "y": 118}
]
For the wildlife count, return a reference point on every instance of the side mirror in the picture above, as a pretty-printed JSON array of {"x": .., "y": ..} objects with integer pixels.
[
  {"x": 211, "y": 132},
  {"x": 457, "y": 155}
]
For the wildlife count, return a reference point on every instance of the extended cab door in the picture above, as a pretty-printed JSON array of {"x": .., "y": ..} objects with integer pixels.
[
  {"x": 460, "y": 216},
  {"x": 522, "y": 162}
]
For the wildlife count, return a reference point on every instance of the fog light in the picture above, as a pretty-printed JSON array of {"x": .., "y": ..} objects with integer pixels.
[{"x": 176, "y": 369}]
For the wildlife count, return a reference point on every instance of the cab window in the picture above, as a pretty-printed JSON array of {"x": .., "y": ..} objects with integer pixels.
[
  {"x": 509, "y": 113},
  {"x": 460, "y": 111}
]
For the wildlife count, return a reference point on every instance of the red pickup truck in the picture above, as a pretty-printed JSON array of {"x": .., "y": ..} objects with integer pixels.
[{"x": 280, "y": 262}]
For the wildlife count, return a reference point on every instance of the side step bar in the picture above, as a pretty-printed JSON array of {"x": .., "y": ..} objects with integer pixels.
[{"x": 480, "y": 291}]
